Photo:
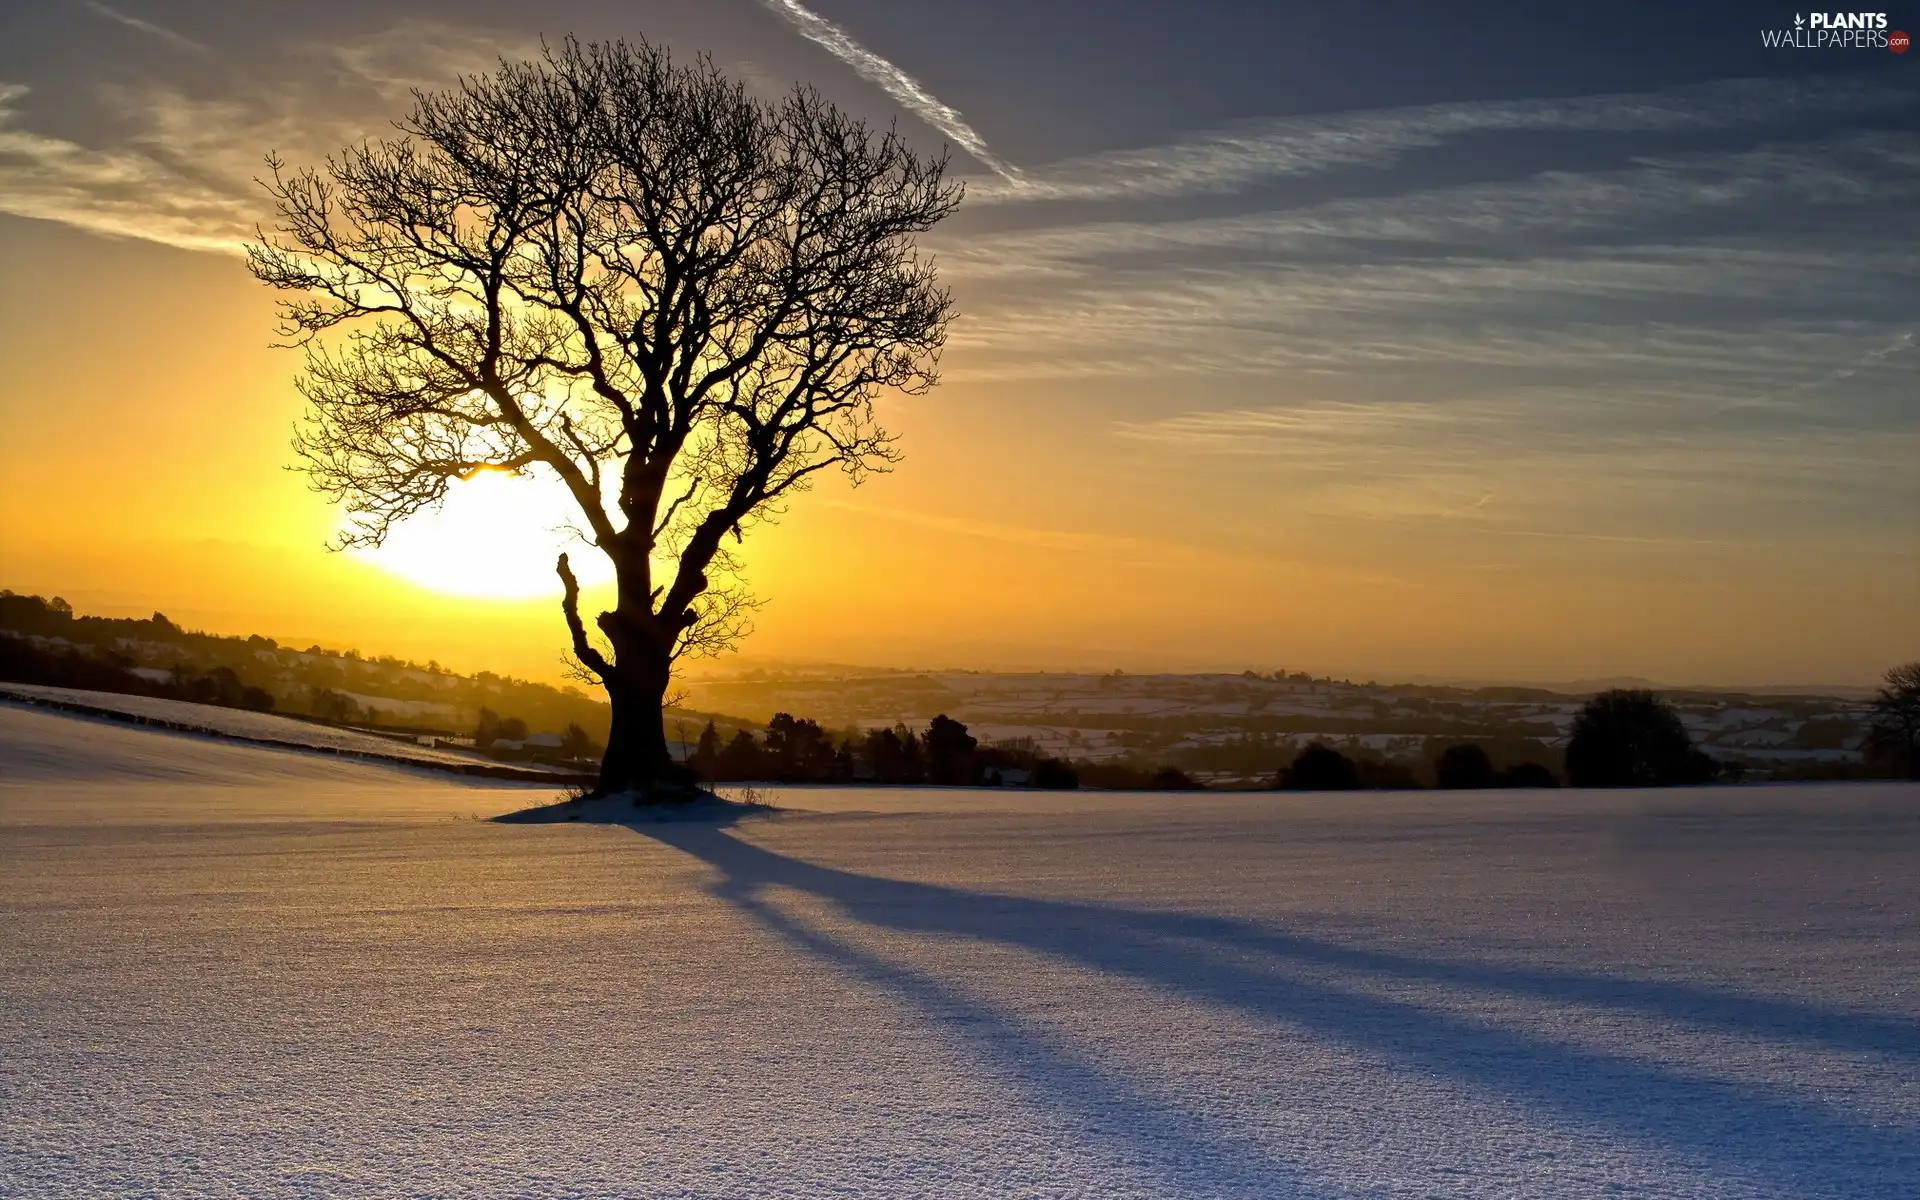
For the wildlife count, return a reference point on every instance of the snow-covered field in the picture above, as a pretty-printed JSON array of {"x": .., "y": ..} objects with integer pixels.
[
  {"x": 253, "y": 726},
  {"x": 231, "y": 971}
]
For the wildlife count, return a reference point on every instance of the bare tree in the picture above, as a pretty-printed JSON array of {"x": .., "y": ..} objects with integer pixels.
[
  {"x": 625, "y": 271},
  {"x": 1894, "y": 728}
]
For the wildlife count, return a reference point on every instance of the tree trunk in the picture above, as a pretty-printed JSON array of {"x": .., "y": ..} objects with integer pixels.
[
  {"x": 637, "y": 759},
  {"x": 636, "y": 678}
]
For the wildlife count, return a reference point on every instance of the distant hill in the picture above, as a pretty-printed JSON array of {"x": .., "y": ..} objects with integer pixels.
[
  {"x": 44, "y": 641},
  {"x": 1219, "y": 728}
]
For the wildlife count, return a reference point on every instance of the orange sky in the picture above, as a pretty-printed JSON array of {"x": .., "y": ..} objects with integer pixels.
[
  {"x": 1352, "y": 391},
  {"x": 144, "y": 468}
]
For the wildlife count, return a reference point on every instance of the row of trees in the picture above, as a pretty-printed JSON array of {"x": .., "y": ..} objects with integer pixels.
[
  {"x": 1321, "y": 768},
  {"x": 800, "y": 750},
  {"x": 1620, "y": 738}
]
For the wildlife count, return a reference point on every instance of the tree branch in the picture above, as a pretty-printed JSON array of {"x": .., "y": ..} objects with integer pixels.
[{"x": 583, "y": 648}]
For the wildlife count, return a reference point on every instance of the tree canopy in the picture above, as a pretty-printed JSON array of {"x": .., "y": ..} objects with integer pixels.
[
  {"x": 634, "y": 276},
  {"x": 1632, "y": 738}
]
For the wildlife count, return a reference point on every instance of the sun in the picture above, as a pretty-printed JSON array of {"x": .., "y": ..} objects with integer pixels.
[{"x": 495, "y": 536}]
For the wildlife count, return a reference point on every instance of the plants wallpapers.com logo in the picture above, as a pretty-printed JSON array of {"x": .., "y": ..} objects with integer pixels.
[{"x": 1837, "y": 31}]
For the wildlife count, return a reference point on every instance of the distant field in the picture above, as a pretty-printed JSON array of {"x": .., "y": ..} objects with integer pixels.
[{"x": 235, "y": 971}]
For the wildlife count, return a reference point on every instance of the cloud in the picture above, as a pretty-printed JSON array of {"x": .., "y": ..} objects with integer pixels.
[
  {"x": 1676, "y": 264},
  {"x": 1112, "y": 549},
  {"x": 1741, "y": 310},
  {"x": 1565, "y": 464},
  {"x": 119, "y": 193},
  {"x": 179, "y": 169},
  {"x": 1553, "y": 207},
  {"x": 1232, "y": 158},
  {"x": 904, "y": 89},
  {"x": 176, "y": 40}
]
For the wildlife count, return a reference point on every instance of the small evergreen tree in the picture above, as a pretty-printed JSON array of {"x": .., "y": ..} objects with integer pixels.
[
  {"x": 949, "y": 750},
  {"x": 742, "y": 759},
  {"x": 705, "y": 759}
]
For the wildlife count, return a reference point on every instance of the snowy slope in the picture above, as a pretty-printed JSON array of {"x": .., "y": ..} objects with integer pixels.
[
  {"x": 251, "y": 726},
  {"x": 58, "y": 769},
  {"x": 944, "y": 993}
]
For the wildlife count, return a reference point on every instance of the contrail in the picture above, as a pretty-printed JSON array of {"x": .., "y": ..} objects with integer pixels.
[
  {"x": 891, "y": 80},
  {"x": 180, "y": 41}
]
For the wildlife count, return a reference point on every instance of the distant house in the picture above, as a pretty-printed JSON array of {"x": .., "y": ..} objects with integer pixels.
[{"x": 541, "y": 741}]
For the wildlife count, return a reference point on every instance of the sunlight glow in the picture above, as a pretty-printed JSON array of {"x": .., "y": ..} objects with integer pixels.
[{"x": 497, "y": 535}]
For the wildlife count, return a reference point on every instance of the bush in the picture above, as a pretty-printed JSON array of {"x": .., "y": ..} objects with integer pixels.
[
  {"x": 1464, "y": 766},
  {"x": 1528, "y": 775},
  {"x": 1625, "y": 738},
  {"x": 1052, "y": 773},
  {"x": 1319, "y": 768},
  {"x": 1385, "y": 774},
  {"x": 1173, "y": 779}
]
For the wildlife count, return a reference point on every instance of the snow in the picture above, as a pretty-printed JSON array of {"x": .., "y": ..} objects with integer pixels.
[
  {"x": 231, "y": 971},
  {"x": 241, "y": 723}
]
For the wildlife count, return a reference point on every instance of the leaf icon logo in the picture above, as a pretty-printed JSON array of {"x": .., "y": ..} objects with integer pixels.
[{"x": 1798, "y": 20}]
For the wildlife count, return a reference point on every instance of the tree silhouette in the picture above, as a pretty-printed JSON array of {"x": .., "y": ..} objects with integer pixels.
[
  {"x": 1894, "y": 728},
  {"x": 633, "y": 276},
  {"x": 705, "y": 759},
  {"x": 1319, "y": 768},
  {"x": 742, "y": 758},
  {"x": 1626, "y": 738},
  {"x": 797, "y": 750},
  {"x": 1464, "y": 766},
  {"x": 949, "y": 750}
]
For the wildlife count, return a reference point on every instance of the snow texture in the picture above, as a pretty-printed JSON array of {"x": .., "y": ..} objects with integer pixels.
[
  {"x": 238, "y": 972},
  {"x": 251, "y": 726}
]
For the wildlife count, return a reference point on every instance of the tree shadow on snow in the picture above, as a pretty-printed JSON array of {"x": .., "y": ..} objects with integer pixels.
[{"x": 1756, "y": 1131}]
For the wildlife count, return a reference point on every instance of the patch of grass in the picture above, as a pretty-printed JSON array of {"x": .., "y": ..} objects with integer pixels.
[{"x": 753, "y": 797}]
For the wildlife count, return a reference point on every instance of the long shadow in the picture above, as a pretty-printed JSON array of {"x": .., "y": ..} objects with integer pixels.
[
  {"x": 1134, "y": 1130},
  {"x": 1719, "y": 1008},
  {"x": 1750, "y": 1130}
]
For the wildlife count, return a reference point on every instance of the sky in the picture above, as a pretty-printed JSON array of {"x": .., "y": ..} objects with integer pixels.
[{"x": 1496, "y": 341}]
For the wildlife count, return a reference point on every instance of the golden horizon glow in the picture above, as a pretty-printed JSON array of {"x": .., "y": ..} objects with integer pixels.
[
  {"x": 1061, "y": 506},
  {"x": 495, "y": 536}
]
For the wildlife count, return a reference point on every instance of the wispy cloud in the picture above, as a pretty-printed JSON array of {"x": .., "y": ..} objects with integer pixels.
[
  {"x": 179, "y": 169},
  {"x": 1507, "y": 217},
  {"x": 1232, "y": 158},
  {"x": 178, "y": 41},
  {"x": 904, "y": 89},
  {"x": 120, "y": 193},
  {"x": 1113, "y": 549},
  {"x": 1673, "y": 265},
  {"x": 1561, "y": 465}
]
